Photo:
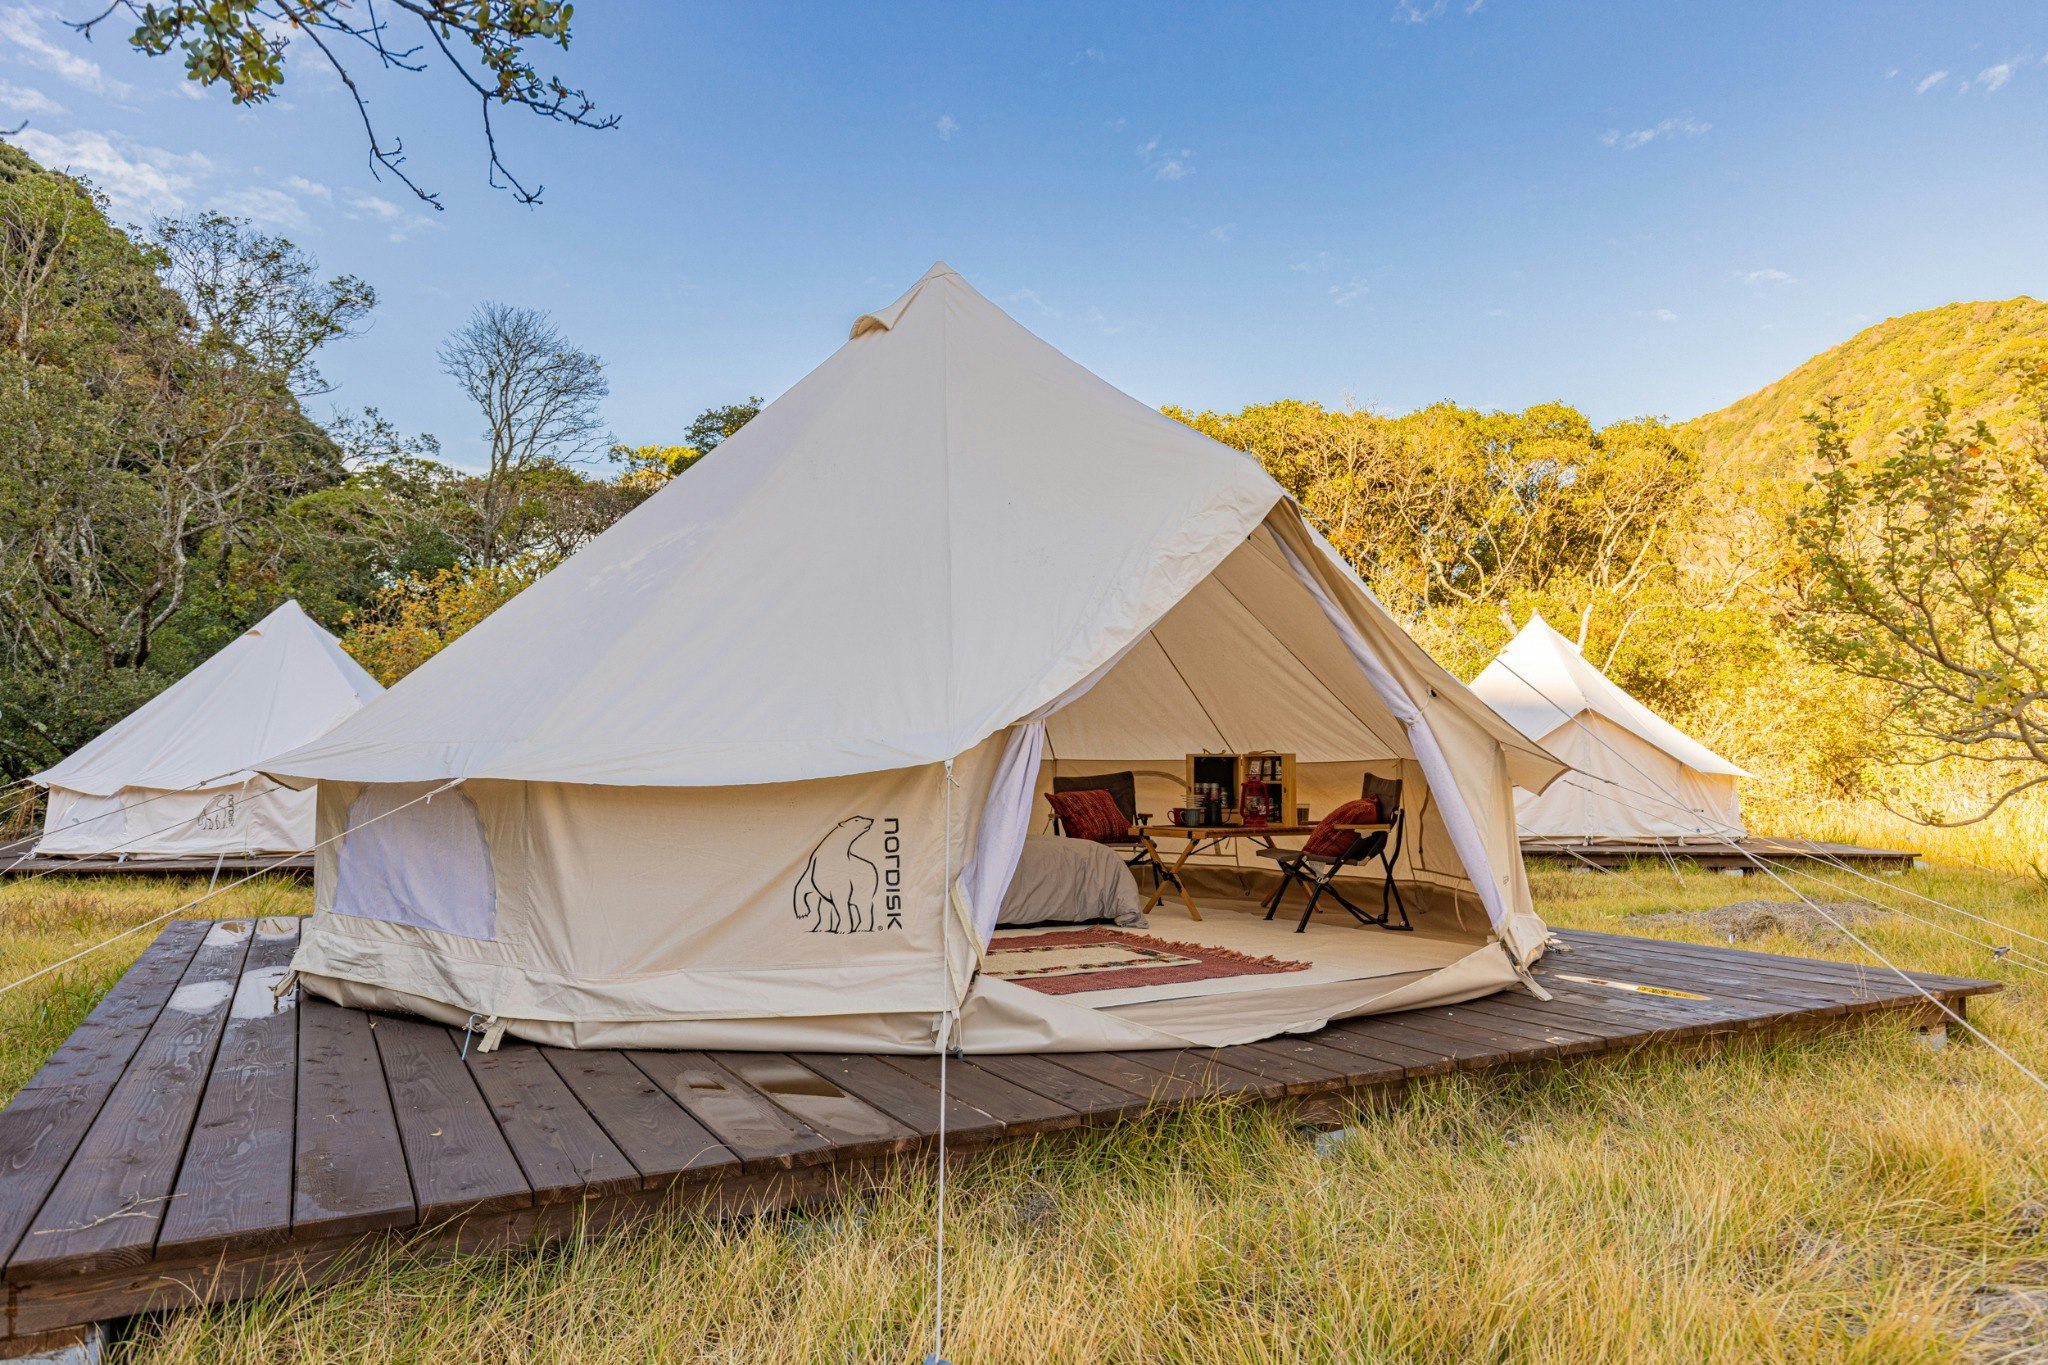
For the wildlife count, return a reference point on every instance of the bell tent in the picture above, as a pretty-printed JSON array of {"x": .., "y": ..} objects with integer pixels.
[
  {"x": 177, "y": 777},
  {"x": 754, "y": 768},
  {"x": 1636, "y": 777}
]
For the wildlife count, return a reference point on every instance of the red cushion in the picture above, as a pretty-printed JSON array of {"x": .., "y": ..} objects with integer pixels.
[
  {"x": 1090, "y": 815},
  {"x": 1329, "y": 840}
]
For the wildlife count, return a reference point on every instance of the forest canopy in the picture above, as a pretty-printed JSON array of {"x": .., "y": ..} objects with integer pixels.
[
  {"x": 163, "y": 484},
  {"x": 1837, "y": 581}
]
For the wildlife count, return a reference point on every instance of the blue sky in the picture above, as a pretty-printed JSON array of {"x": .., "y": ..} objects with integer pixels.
[{"x": 1634, "y": 207}]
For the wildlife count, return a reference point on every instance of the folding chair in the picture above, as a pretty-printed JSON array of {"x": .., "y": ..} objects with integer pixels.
[
  {"x": 1333, "y": 848},
  {"x": 1123, "y": 789}
]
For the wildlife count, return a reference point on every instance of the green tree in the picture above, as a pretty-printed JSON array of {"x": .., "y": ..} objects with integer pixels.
[
  {"x": 540, "y": 401},
  {"x": 242, "y": 43},
  {"x": 1927, "y": 574},
  {"x": 714, "y": 426},
  {"x": 142, "y": 437}
]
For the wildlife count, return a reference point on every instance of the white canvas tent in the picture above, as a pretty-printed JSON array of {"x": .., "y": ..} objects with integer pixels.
[
  {"x": 828, "y": 666},
  {"x": 1636, "y": 776},
  {"x": 177, "y": 777}
]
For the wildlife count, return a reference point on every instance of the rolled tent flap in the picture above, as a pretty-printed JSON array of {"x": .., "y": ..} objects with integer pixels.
[
  {"x": 1457, "y": 740},
  {"x": 753, "y": 768}
]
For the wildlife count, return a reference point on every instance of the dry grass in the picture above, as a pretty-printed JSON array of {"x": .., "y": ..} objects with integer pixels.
[{"x": 1847, "y": 1198}]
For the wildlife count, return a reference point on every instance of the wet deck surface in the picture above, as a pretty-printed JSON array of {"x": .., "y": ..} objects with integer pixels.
[{"x": 192, "y": 1141}]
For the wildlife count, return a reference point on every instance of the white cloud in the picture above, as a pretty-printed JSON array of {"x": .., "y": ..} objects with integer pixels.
[
  {"x": 947, "y": 126},
  {"x": 1668, "y": 128},
  {"x": 1086, "y": 54},
  {"x": 1117, "y": 125},
  {"x": 260, "y": 204},
  {"x": 1665, "y": 315},
  {"x": 1994, "y": 77},
  {"x": 22, "y": 26},
  {"x": 1417, "y": 12},
  {"x": 1103, "y": 322},
  {"x": 1764, "y": 276},
  {"x": 1343, "y": 294},
  {"x": 311, "y": 189},
  {"x": 1030, "y": 296},
  {"x": 135, "y": 178},
  {"x": 362, "y": 206},
  {"x": 1928, "y": 82},
  {"x": 1222, "y": 232},
  {"x": 359, "y": 207},
  {"x": 1166, "y": 163},
  {"x": 22, "y": 100},
  {"x": 1314, "y": 264}
]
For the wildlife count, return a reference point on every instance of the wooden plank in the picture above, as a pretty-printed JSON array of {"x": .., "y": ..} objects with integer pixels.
[
  {"x": 1211, "y": 1078},
  {"x": 1617, "y": 1031},
  {"x": 38, "y": 1133},
  {"x": 1737, "y": 983},
  {"x": 1157, "y": 1086},
  {"x": 902, "y": 1097},
  {"x": 1463, "y": 1052},
  {"x": 1348, "y": 1070},
  {"x": 1367, "y": 1038},
  {"x": 762, "y": 1135},
  {"x": 1019, "y": 1110},
  {"x": 854, "y": 1127},
  {"x": 349, "y": 1171},
  {"x": 459, "y": 1160},
  {"x": 1091, "y": 1101},
  {"x": 654, "y": 1132},
  {"x": 43, "y": 1125},
  {"x": 99, "y": 1049},
  {"x": 561, "y": 1149},
  {"x": 236, "y": 1182},
  {"x": 1497, "y": 1046},
  {"x": 107, "y": 1206},
  {"x": 1796, "y": 968},
  {"x": 1568, "y": 1041},
  {"x": 1799, "y": 975}
]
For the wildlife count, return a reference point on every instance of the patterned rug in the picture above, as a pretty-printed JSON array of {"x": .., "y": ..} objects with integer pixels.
[{"x": 1070, "y": 961}]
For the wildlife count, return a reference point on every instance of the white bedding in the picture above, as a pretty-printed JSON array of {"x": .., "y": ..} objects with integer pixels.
[{"x": 1065, "y": 881}]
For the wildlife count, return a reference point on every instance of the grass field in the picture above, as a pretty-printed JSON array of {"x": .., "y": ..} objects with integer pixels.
[{"x": 1859, "y": 1197}]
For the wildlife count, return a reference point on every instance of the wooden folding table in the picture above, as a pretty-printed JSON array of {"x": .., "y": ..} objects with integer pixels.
[{"x": 1198, "y": 837}]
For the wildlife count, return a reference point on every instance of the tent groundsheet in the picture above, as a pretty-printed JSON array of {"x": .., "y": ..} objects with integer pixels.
[{"x": 752, "y": 769}]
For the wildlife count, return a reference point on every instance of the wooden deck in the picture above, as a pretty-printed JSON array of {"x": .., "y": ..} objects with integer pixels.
[
  {"x": 1734, "y": 856},
  {"x": 17, "y": 860},
  {"x": 192, "y": 1143}
]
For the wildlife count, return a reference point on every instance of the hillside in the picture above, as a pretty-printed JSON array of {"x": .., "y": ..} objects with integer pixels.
[{"x": 1881, "y": 375}]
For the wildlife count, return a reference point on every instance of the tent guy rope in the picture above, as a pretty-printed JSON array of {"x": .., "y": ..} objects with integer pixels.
[{"x": 218, "y": 890}]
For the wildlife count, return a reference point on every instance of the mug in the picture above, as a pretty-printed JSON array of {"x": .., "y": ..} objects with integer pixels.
[{"x": 1178, "y": 815}]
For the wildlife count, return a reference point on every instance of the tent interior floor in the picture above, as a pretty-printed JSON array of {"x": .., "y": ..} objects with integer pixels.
[
  {"x": 1337, "y": 968},
  {"x": 193, "y": 1141}
]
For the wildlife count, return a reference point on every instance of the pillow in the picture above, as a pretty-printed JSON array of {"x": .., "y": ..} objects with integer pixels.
[
  {"x": 1091, "y": 815},
  {"x": 1329, "y": 841}
]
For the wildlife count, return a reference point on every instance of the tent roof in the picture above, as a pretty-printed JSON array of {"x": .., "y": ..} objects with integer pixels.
[
  {"x": 942, "y": 529},
  {"x": 1540, "y": 683},
  {"x": 279, "y": 683}
]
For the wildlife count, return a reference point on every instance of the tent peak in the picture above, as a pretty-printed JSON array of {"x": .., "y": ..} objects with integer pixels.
[
  {"x": 883, "y": 319},
  {"x": 285, "y": 611}
]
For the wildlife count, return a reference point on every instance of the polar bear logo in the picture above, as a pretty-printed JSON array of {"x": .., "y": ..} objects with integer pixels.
[{"x": 836, "y": 893}]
